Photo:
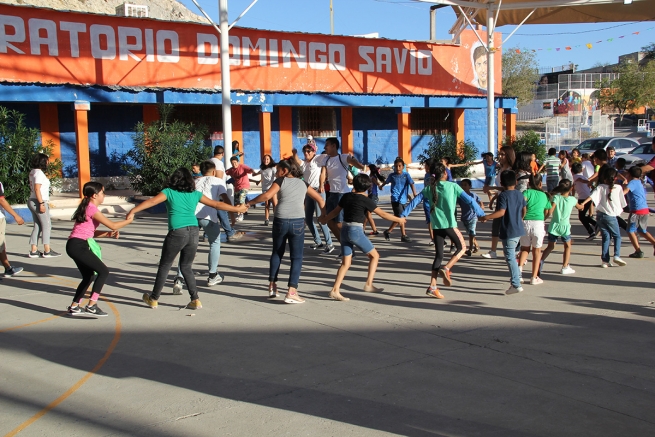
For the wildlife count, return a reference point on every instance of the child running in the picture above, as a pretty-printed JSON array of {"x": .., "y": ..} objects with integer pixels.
[
  {"x": 267, "y": 172},
  {"x": 376, "y": 180},
  {"x": 511, "y": 205},
  {"x": 560, "y": 224},
  {"x": 583, "y": 191},
  {"x": 181, "y": 200},
  {"x": 638, "y": 218},
  {"x": 239, "y": 172},
  {"x": 83, "y": 249},
  {"x": 468, "y": 216},
  {"x": 443, "y": 197},
  {"x": 355, "y": 206},
  {"x": 537, "y": 209},
  {"x": 400, "y": 182},
  {"x": 609, "y": 201},
  {"x": 9, "y": 269}
]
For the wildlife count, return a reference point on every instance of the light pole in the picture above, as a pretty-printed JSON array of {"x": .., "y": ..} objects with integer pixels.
[{"x": 331, "y": 19}]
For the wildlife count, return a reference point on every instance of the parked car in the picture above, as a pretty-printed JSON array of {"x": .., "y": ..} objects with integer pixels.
[
  {"x": 622, "y": 145},
  {"x": 641, "y": 153}
]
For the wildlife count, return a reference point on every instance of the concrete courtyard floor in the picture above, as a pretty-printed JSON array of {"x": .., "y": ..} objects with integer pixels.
[{"x": 572, "y": 357}]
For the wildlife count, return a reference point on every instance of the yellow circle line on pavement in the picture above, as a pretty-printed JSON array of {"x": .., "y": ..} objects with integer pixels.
[
  {"x": 56, "y": 316},
  {"x": 82, "y": 381}
]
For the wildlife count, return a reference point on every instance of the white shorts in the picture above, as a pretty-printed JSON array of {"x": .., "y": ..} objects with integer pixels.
[{"x": 535, "y": 231}]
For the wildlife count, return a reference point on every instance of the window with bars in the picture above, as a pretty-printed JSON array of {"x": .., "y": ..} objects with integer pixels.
[
  {"x": 431, "y": 121},
  {"x": 317, "y": 121},
  {"x": 207, "y": 115}
]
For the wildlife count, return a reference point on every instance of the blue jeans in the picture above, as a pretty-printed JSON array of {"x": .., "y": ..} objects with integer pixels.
[
  {"x": 509, "y": 251},
  {"x": 311, "y": 209},
  {"x": 609, "y": 228},
  {"x": 225, "y": 223},
  {"x": 352, "y": 235},
  {"x": 293, "y": 231},
  {"x": 213, "y": 232},
  {"x": 331, "y": 203}
]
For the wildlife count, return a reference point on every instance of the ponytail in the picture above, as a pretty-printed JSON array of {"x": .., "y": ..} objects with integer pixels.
[
  {"x": 608, "y": 178},
  {"x": 90, "y": 189},
  {"x": 437, "y": 170}
]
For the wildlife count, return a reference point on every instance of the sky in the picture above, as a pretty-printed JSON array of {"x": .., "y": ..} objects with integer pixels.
[{"x": 410, "y": 20}]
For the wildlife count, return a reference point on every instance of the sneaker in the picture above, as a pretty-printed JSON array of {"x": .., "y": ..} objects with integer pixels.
[
  {"x": 513, "y": 290},
  {"x": 445, "y": 274},
  {"x": 235, "y": 236},
  {"x": 12, "y": 271},
  {"x": 36, "y": 254},
  {"x": 521, "y": 280},
  {"x": 591, "y": 237},
  {"x": 453, "y": 249},
  {"x": 240, "y": 217},
  {"x": 374, "y": 233},
  {"x": 51, "y": 254},
  {"x": 606, "y": 265},
  {"x": 94, "y": 310},
  {"x": 434, "y": 292},
  {"x": 619, "y": 262},
  {"x": 431, "y": 243},
  {"x": 490, "y": 255},
  {"x": 536, "y": 281},
  {"x": 266, "y": 222},
  {"x": 152, "y": 303},
  {"x": 293, "y": 298},
  {"x": 178, "y": 283},
  {"x": 387, "y": 235},
  {"x": 315, "y": 246},
  {"x": 75, "y": 310},
  {"x": 214, "y": 278},
  {"x": 476, "y": 249},
  {"x": 405, "y": 239},
  {"x": 194, "y": 305},
  {"x": 567, "y": 270},
  {"x": 468, "y": 252},
  {"x": 328, "y": 249},
  {"x": 272, "y": 291},
  {"x": 637, "y": 254}
]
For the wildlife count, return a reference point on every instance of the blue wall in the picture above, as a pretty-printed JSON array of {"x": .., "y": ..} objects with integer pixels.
[{"x": 475, "y": 128}]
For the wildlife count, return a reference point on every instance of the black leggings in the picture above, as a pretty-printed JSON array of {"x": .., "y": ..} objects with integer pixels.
[
  {"x": 88, "y": 264},
  {"x": 587, "y": 221},
  {"x": 440, "y": 236}
]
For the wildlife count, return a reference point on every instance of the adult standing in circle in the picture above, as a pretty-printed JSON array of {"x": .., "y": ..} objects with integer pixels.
[
  {"x": 506, "y": 159},
  {"x": 181, "y": 200},
  {"x": 38, "y": 206},
  {"x": 288, "y": 224}
]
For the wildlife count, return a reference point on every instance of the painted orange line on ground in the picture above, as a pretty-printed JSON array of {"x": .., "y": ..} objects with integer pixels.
[
  {"x": 80, "y": 383},
  {"x": 56, "y": 316}
]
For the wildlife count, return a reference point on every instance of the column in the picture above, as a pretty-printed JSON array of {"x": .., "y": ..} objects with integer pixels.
[
  {"x": 49, "y": 121},
  {"x": 458, "y": 127},
  {"x": 237, "y": 128},
  {"x": 510, "y": 123},
  {"x": 286, "y": 131},
  {"x": 347, "y": 143},
  {"x": 500, "y": 127},
  {"x": 265, "y": 129},
  {"x": 404, "y": 134},
  {"x": 81, "y": 109}
]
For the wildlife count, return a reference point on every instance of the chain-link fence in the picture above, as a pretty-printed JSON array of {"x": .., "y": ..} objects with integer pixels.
[{"x": 567, "y": 132}]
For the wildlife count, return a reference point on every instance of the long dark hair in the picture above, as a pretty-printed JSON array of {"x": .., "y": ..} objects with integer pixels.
[
  {"x": 564, "y": 186},
  {"x": 534, "y": 182},
  {"x": 375, "y": 172},
  {"x": 523, "y": 162},
  {"x": 607, "y": 177},
  {"x": 270, "y": 165},
  {"x": 437, "y": 170},
  {"x": 88, "y": 191},
  {"x": 40, "y": 161},
  {"x": 291, "y": 166},
  {"x": 181, "y": 180},
  {"x": 510, "y": 155}
]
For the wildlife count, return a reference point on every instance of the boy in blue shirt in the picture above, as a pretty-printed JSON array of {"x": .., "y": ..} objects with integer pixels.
[
  {"x": 638, "y": 218},
  {"x": 469, "y": 219},
  {"x": 511, "y": 208},
  {"x": 400, "y": 182}
]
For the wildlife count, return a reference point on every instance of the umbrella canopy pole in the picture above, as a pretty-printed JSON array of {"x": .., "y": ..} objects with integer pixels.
[
  {"x": 226, "y": 105},
  {"x": 490, "y": 83}
]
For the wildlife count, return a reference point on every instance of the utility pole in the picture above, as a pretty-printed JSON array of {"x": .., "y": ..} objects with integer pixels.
[
  {"x": 331, "y": 19},
  {"x": 226, "y": 103}
]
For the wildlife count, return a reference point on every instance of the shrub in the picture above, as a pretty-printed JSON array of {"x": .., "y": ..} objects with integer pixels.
[
  {"x": 529, "y": 141},
  {"x": 18, "y": 144},
  {"x": 445, "y": 146},
  {"x": 160, "y": 148}
]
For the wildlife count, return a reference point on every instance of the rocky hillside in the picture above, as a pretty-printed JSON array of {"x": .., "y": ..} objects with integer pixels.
[{"x": 170, "y": 10}]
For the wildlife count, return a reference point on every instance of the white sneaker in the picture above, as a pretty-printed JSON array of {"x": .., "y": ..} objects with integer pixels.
[
  {"x": 240, "y": 217},
  {"x": 606, "y": 265},
  {"x": 567, "y": 270},
  {"x": 536, "y": 281},
  {"x": 513, "y": 290},
  {"x": 521, "y": 280},
  {"x": 619, "y": 262},
  {"x": 490, "y": 255}
]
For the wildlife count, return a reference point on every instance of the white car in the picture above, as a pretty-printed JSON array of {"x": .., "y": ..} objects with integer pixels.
[
  {"x": 622, "y": 145},
  {"x": 643, "y": 153}
]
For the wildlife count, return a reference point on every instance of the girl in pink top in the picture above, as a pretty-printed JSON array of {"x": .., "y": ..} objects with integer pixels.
[{"x": 87, "y": 218}]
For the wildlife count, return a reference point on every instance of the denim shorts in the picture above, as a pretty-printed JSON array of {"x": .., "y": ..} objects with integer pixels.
[
  {"x": 352, "y": 235},
  {"x": 637, "y": 222},
  {"x": 470, "y": 226},
  {"x": 331, "y": 203},
  {"x": 553, "y": 238}
]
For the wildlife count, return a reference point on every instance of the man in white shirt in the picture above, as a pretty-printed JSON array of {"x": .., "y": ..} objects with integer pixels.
[
  {"x": 336, "y": 166},
  {"x": 219, "y": 172},
  {"x": 312, "y": 175}
]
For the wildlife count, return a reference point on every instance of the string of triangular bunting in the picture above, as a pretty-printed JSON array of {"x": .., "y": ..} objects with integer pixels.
[{"x": 588, "y": 45}]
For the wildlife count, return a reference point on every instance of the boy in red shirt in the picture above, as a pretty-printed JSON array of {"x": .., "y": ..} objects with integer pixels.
[{"x": 239, "y": 172}]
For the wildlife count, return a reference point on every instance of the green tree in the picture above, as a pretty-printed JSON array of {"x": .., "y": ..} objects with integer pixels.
[
  {"x": 445, "y": 146},
  {"x": 650, "y": 51},
  {"x": 520, "y": 74},
  {"x": 18, "y": 144},
  {"x": 529, "y": 141},
  {"x": 160, "y": 148},
  {"x": 632, "y": 89}
]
